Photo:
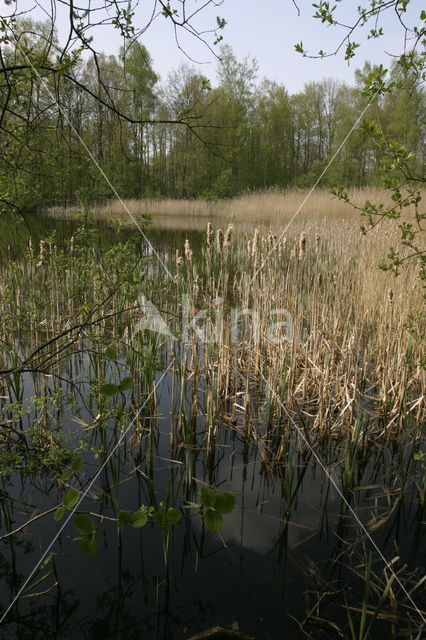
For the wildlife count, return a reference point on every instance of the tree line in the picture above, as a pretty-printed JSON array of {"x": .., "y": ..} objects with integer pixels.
[{"x": 183, "y": 137}]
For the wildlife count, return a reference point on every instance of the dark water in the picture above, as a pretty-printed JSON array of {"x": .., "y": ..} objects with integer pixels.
[{"x": 277, "y": 555}]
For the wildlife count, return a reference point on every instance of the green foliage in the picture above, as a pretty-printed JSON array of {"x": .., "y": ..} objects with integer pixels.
[
  {"x": 86, "y": 527},
  {"x": 108, "y": 389},
  {"x": 213, "y": 520},
  {"x": 136, "y": 519},
  {"x": 71, "y": 498},
  {"x": 215, "y": 506}
]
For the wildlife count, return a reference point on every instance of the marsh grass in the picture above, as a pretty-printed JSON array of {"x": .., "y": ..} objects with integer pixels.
[
  {"x": 273, "y": 206},
  {"x": 351, "y": 378}
]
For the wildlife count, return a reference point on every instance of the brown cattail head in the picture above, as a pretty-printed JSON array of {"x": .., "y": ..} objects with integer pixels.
[
  {"x": 302, "y": 245},
  {"x": 254, "y": 244},
  {"x": 219, "y": 240},
  {"x": 209, "y": 234},
  {"x": 317, "y": 241},
  {"x": 390, "y": 295},
  {"x": 228, "y": 236}
]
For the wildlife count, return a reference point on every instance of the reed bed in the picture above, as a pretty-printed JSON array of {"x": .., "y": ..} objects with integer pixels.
[
  {"x": 347, "y": 383},
  {"x": 272, "y": 206}
]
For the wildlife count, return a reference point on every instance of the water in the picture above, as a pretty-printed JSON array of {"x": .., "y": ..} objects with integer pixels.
[{"x": 279, "y": 553}]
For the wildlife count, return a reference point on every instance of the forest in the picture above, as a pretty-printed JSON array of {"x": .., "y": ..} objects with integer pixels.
[{"x": 183, "y": 136}]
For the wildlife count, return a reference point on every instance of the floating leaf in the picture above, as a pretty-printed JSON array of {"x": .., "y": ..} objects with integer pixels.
[
  {"x": 126, "y": 383},
  {"x": 84, "y": 525},
  {"x": 225, "y": 502},
  {"x": 88, "y": 545},
  {"x": 77, "y": 463},
  {"x": 172, "y": 516},
  {"x": 71, "y": 498},
  {"x": 108, "y": 389},
  {"x": 59, "y": 513},
  {"x": 208, "y": 497},
  {"x": 213, "y": 520}
]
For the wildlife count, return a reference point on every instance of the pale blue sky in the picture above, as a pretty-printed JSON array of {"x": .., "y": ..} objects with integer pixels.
[{"x": 267, "y": 31}]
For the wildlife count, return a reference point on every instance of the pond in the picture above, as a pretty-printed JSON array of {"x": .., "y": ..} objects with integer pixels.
[{"x": 138, "y": 421}]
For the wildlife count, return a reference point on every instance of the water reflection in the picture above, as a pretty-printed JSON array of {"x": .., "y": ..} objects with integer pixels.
[{"x": 288, "y": 540}]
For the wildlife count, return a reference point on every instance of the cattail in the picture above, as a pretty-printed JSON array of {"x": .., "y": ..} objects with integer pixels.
[
  {"x": 209, "y": 234},
  {"x": 302, "y": 245},
  {"x": 317, "y": 242},
  {"x": 179, "y": 263},
  {"x": 72, "y": 246},
  {"x": 219, "y": 240},
  {"x": 40, "y": 262},
  {"x": 249, "y": 247},
  {"x": 228, "y": 235},
  {"x": 254, "y": 247},
  {"x": 189, "y": 256},
  {"x": 264, "y": 245},
  {"x": 293, "y": 254},
  {"x": 187, "y": 249},
  {"x": 390, "y": 295}
]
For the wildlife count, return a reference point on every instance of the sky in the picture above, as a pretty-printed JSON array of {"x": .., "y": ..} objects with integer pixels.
[
  {"x": 265, "y": 30},
  {"x": 269, "y": 30}
]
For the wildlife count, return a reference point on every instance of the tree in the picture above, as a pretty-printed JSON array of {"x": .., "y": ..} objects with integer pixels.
[
  {"x": 399, "y": 170},
  {"x": 36, "y": 70}
]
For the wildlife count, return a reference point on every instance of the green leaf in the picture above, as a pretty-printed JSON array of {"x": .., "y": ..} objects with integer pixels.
[
  {"x": 159, "y": 516},
  {"x": 126, "y": 383},
  {"x": 89, "y": 545},
  {"x": 59, "y": 513},
  {"x": 108, "y": 389},
  {"x": 225, "y": 502},
  {"x": 84, "y": 525},
  {"x": 213, "y": 520},
  {"x": 66, "y": 476},
  {"x": 172, "y": 516},
  {"x": 139, "y": 518},
  {"x": 125, "y": 518},
  {"x": 208, "y": 497},
  {"x": 71, "y": 498},
  {"x": 77, "y": 463},
  {"x": 111, "y": 353}
]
